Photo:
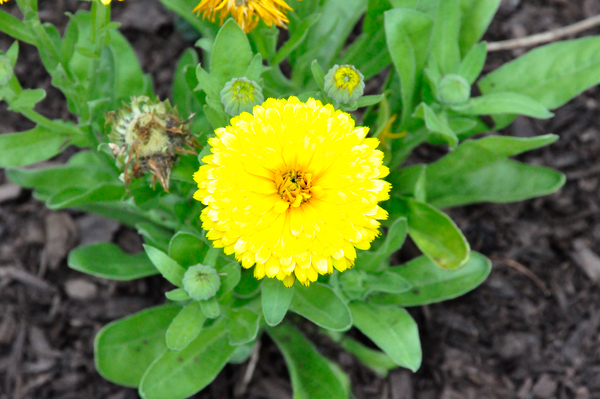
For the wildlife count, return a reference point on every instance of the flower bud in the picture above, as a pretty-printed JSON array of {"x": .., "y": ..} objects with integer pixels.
[
  {"x": 344, "y": 84},
  {"x": 241, "y": 95},
  {"x": 201, "y": 282},
  {"x": 454, "y": 89},
  {"x": 148, "y": 136},
  {"x": 6, "y": 70}
]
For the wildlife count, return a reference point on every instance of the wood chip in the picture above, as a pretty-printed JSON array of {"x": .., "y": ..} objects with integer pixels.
[
  {"x": 587, "y": 260},
  {"x": 9, "y": 191},
  {"x": 61, "y": 236},
  {"x": 81, "y": 289}
]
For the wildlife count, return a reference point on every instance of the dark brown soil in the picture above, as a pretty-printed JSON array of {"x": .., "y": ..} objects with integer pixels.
[{"x": 530, "y": 331}]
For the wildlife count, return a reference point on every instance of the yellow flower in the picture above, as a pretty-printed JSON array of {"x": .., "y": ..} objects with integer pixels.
[
  {"x": 3, "y": 1},
  {"x": 106, "y": 2},
  {"x": 247, "y": 13},
  {"x": 292, "y": 190}
]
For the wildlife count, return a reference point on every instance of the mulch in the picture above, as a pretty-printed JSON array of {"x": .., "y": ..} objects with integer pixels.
[{"x": 530, "y": 331}]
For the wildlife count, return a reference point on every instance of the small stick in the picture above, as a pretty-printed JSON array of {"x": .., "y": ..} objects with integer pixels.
[
  {"x": 545, "y": 37},
  {"x": 243, "y": 387},
  {"x": 523, "y": 269}
]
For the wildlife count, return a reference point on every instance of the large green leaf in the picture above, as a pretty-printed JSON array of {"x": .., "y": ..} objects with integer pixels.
[
  {"x": 312, "y": 375},
  {"x": 476, "y": 17},
  {"x": 108, "y": 261},
  {"x": 552, "y": 74},
  {"x": 179, "y": 375},
  {"x": 276, "y": 299},
  {"x": 436, "y": 235},
  {"x": 35, "y": 145},
  {"x": 185, "y": 326},
  {"x": 231, "y": 53},
  {"x": 243, "y": 326},
  {"x": 376, "y": 360},
  {"x": 475, "y": 154},
  {"x": 501, "y": 182},
  {"x": 408, "y": 32},
  {"x": 321, "y": 305},
  {"x": 433, "y": 284},
  {"x": 182, "y": 96},
  {"x": 504, "y": 103},
  {"x": 392, "y": 329},
  {"x": 373, "y": 260},
  {"x": 187, "y": 249},
  {"x": 125, "y": 348},
  {"x": 74, "y": 196},
  {"x": 444, "y": 42}
]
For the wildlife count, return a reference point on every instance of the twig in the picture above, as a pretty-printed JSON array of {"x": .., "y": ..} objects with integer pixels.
[
  {"x": 240, "y": 390},
  {"x": 545, "y": 37},
  {"x": 523, "y": 269},
  {"x": 26, "y": 278}
]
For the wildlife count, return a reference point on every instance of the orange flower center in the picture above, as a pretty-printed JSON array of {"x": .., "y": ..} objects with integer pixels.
[{"x": 294, "y": 187}]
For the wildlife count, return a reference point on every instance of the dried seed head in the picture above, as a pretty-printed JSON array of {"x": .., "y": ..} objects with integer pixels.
[{"x": 147, "y": 137}]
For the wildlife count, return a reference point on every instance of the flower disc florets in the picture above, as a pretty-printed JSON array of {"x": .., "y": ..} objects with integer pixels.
[
  {"x": 247, "y": 13},
  {"x": 241, "y": 94},
  {"x": 292, "y": 190},
  {"x": 344, "y": 84},
  {"x": 147, "y": 137}
]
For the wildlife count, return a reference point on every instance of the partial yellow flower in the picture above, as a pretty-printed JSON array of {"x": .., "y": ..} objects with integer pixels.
[
  {"x": 292, "y": 190},
  {"x": 105, "y": 2},
  {"x": 247, "y": 13},
  {"x": 3, "y": 1}
]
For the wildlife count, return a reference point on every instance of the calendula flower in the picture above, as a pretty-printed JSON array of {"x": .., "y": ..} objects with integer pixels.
[
  {"x": 247, "y": 13},
  {"x": 3, "y": 1},
  {"x": 292, "y": 190},
  {"x": 344, "y": 84},
  {"x": 241, "y": 94},
  {"x": 106, "y": 2}
]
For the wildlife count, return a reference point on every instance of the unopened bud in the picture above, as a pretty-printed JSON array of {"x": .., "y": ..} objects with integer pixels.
[
  {"x": 344, "y": 84},
  {"x": 241, "y": 95},
  {"x": 201, "y": 282},
  {"x": 454, "y": 90}
]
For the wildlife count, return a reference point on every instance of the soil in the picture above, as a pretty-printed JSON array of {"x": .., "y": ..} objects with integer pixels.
[{"x": 530, "y": 331}]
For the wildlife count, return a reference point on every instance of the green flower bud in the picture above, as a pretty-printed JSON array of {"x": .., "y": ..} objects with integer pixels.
[
  {"x": 201, "y": 282},
  {"x": 147, "y": 137},
  {"x": 454, "y": 89},
  {"x": 344, "y": 84},
  {"x": 241, "y": 95},
  {"x": 6, "y": 70}
]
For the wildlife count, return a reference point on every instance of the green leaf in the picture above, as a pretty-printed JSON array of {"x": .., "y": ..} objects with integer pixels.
[
  {"x": 504, "y": 103},
  {"x": 318, "y": 74},
  {"x": 476, "y": 17},
  {"x": 178, "y": 294},
  {"x": 187, "y": 249},
  {"x": 436, "y": 235},
  {"x": 392, "y": 329},
  {"x": 231, "y": 53},
  {"x": 276, "y": 299},
  {"x": 295, "y": 39},
  {"x": 501, "y": 182},
  {"x": 396, "y": 234},
  {"x": 207, "y": 83},
  {"x": 552, "y": 75},
  {"x": 230, "y": 277},
  {"x": 67, "y": 47},
  {"x": 248, "y": 286},
  {"x": 408, "y": 32},
  {"x": 432, "y": 284},
  {"x": 472, "y": 65},
  {"x": 125, "y": 348},
  {"x": 385, "y": 282},
  {"x": 409, "y": 182},
  {"x": 73, "y": 196},
  {"x": 377, "y": 361},
  {"x": 321, "y": 305},
  {"x": 14, "y": 27},
  {"x": 186, "y": 326},
  {"x": 35, "y": 145},
  {"x": 216, "y": 118},
  {"x": 312, "y": 376},
  {"x": 444, "y": 42},
  {"x": 438, "y": 124},
  {"x": 210, "y": 308},
  {"x": 108, "y": 261},
  {"x": 180, "y": 92},
  {"x": 27, "y": 99},
  {"x": 170, "y": 269},
  {"x": 367, "y": 101},
  {"x": 243, "y": 326},
  {"x": 155, "y": 235},
  {"x": 475, "y": 154},
  {"x": 179, "y": 375}
]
